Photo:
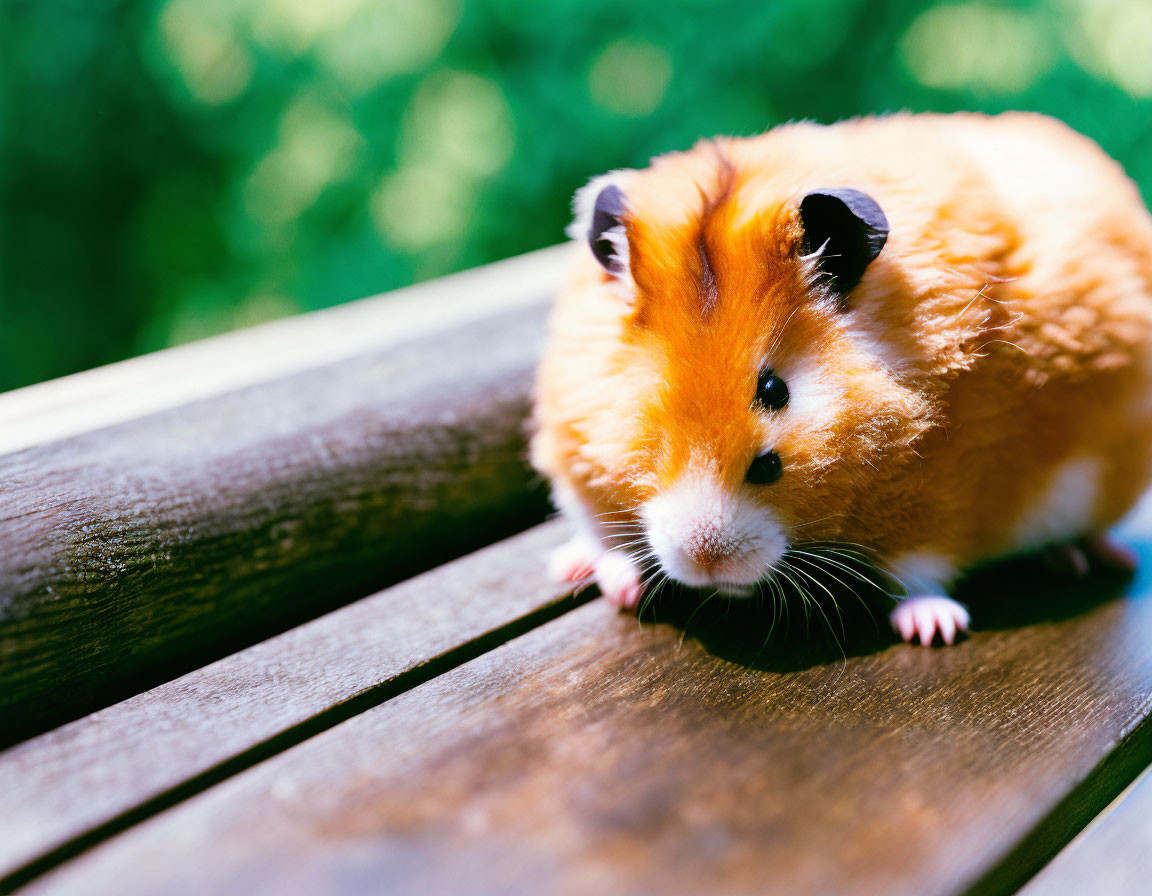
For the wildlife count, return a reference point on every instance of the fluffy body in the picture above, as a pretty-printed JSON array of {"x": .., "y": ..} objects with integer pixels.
[{"x": 987, "y": 390}]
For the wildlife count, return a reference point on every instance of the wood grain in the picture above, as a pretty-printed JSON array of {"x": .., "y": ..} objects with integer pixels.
[
  {"x": 1113, "y": 857},
  {"x": 91, "y": 774},
  {"x": 133, "y": 553},
  {"x": 595, "y": 754}
]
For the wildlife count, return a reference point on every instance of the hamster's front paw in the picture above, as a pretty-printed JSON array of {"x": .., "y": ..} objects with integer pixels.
[
  {"x": 618, "y": 577},
  {"x": 619, "y": 580},
  {"x": 574, "y": 561},
  {"x": 923, "y": 616}
]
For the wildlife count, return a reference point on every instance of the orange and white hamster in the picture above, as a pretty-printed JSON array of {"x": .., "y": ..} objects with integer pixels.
[{"x": 928, "y": 337}]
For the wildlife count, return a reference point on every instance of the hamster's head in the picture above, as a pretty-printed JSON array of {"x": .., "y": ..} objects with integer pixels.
[{"x": 763, "y": 412}]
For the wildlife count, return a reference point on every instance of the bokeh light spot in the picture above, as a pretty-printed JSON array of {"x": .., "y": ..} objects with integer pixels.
[
  {"x": 208, "y": 309},
  {"x": 630, "y": 77},
  {"x": 458, "y": 131},
  {"x": 388, "y": 38},
  {"x": 1112, "y": 39},
  {"x": 207, "y": 52},
  {"x": 296, "y": 25},
  {"x": 317, "y": 146},
  {"x": 462, "y": 120},
  {"x": 972, "y": 46},
  {"x": 420, "y": 206}
]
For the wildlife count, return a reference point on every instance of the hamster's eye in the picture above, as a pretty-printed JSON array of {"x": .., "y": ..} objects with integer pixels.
[
  {"x": 771, "y": 391},
  {"x": 765, "y": 469}
]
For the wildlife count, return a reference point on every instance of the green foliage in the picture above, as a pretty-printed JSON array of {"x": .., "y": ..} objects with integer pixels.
[{"x": 177, "y": 168}]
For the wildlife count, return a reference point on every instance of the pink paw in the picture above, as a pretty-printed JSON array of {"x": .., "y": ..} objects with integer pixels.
[
  {"x": 925, "y": 616},
  {"x": 573, "y": 561},
  {"x": 619, "y": 580}
]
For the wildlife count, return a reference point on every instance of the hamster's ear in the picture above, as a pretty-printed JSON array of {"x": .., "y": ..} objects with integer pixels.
[
  {"x": 600, "y": 208},
  {"x": 846, "y": 229}
]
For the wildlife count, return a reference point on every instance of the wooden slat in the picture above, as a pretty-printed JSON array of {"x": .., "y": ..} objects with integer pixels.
[
  {"x": 96, "y": 399},
  {"x": 84, "y": 779},
  {"x": 134, "y": 552},
  {"x": 1113, "y": 857},
  {"x": 598, "y": 755}
]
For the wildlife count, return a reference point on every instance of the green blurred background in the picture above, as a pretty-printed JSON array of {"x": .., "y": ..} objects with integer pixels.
[{"x": 173, "y": 169}]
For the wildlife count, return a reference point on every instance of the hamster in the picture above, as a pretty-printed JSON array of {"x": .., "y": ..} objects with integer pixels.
[{"x": 924, "y": 338}]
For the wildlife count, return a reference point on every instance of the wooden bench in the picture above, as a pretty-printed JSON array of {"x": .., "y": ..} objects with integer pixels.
[{"x": 274, "y": 619}]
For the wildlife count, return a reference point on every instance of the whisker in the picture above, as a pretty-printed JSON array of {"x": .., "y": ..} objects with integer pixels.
[
  {"x": 845, "y": 585},
  {"x": 814, "y": 522},
  {"x": 828, "y": 621},
  {"x": 692, "y": 615},
  {"x": 649, "y": 598},
  {"x": 597, "y": 516},
  {"x": 975, "y": 297},
  {"x": 831, "y": 597},
  {"x": 844, "y": 548},
  {"x": 824, "y": 558},
  {"x": 994, "y": 341},
  {"x": 782, "y": 569},
  {"x": 785, "y": 609},
  {"x": 635, "y": 542}
]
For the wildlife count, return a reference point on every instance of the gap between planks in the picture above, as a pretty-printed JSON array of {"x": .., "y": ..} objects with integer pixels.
[
  {"x": 71, "y": 788},
  {"x": 143, "y": 550},
  {"x": 592, "y": 755},
  {"x": 1043, "y": 848},
  {"x": 1112, "y": 856}
]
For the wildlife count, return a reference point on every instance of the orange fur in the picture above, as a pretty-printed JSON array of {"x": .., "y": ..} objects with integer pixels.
[{"x": 1004, "y": 330}]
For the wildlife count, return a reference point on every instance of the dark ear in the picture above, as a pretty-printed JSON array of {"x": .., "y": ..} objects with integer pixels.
[
  {"x": 850, "y": 227},
  {"x": 607, "y": 215}
]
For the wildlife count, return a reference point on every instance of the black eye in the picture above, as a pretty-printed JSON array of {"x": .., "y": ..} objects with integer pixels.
[
  {"x": 771, "y": 391},
  {"x": 765, "y": 469}
]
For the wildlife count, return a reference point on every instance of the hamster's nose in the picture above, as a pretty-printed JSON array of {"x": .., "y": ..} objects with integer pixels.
[{"x": 707, "y": 548}]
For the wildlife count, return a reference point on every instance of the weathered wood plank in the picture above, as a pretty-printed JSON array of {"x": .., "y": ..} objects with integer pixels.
[
  {"x": 135, "y": 552},
  {"x": 84, "y": 779},
  {"x": 597, "y": 755},
  {"x": 1113, "y": 857},
  {"x": 96, "y": 399}
]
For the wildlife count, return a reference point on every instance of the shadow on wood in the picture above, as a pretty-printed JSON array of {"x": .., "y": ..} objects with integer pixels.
[{"x": 843, "y": 610}]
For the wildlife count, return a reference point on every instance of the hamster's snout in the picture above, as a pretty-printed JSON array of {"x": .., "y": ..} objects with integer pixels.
[
  {"x": 708, "y": 545},
  {"x": 704, "y": 535}
]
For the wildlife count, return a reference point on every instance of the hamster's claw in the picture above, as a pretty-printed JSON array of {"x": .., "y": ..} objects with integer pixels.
[
  {"x": 619, "y": 580},
  {"x": 924, "y": 616},
  {"x": 573, "y": 561},
  {"x": 579, "y": 560}
]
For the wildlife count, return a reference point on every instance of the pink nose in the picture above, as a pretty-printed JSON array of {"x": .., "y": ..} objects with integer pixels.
[{"x": 707, "y": 549}]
